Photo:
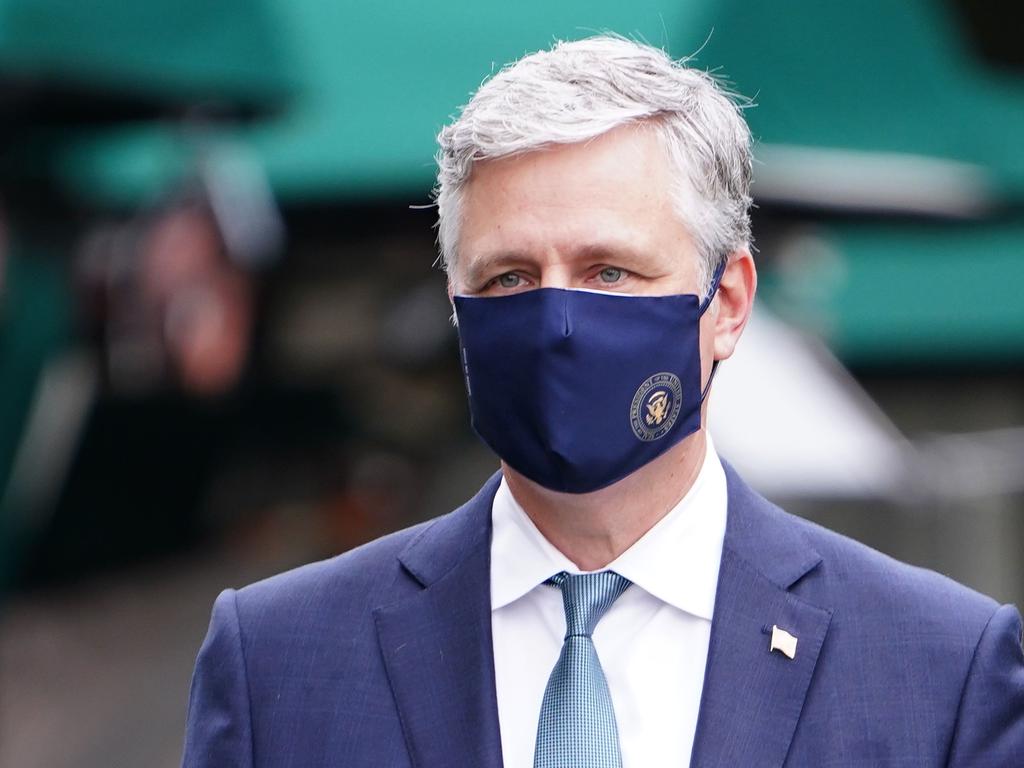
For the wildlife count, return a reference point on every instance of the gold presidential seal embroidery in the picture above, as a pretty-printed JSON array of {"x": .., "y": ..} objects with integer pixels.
[{"x": 656, "y": 406}]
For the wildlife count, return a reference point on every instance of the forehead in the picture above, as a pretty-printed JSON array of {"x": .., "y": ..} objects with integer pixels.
[{"x": 610, "y": 195}]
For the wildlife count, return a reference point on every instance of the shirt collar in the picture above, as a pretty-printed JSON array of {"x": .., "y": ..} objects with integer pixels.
[{"x": 676, "y": 561}]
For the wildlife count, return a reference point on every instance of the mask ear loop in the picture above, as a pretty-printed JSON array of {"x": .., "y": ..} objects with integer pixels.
[{"x": 716, "y": 280}]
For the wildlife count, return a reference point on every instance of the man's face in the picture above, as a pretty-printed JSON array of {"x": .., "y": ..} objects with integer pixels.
[
  {"x": 595, "y": 215},
  {"x": 599, "y": 216}
]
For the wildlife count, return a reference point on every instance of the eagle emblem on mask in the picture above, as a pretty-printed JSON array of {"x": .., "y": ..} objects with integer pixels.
[{"x": 656, "y": 406}]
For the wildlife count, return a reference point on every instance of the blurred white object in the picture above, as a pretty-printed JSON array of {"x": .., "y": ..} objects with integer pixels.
[
  {"x": 872, "y": 182},
  {"x": 67, "y": 389},
  {"x": 794, "y": 422}
]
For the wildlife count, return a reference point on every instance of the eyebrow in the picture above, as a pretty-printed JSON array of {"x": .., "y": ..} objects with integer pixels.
[
  {"x": 618, "y": 254},
  {"x": 501, "y": 261}
]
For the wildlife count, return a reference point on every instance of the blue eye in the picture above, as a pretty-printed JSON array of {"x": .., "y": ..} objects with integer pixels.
[
  {"x": 610, "y": 275},
  {"x": 509, "y": 280}
]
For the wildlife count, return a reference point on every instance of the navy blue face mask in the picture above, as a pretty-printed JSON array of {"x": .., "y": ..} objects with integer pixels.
[{"x": 578, "y": 389}]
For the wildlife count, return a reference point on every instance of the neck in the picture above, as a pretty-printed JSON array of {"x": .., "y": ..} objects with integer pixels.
[{"x": 592, "y": 529}]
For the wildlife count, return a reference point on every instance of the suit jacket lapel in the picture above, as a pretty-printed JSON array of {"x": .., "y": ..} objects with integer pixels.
[
  {"x": 437, "y": 644},
  {"x": 752, "y": 696}
]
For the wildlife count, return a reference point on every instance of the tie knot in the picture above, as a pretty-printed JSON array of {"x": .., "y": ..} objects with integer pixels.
[{"x": 587, "y": 597}]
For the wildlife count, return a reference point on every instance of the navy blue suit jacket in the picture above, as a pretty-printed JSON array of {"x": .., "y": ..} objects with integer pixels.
[{"x": 382, "y": 657}]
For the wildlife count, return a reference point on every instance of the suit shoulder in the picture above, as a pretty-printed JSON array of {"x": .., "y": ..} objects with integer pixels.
[
  {"x": 361, "y": 575},
  {"x": 839, "y": 571}
]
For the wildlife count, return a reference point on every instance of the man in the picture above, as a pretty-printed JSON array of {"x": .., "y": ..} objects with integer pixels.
[{"x": 616, "y": 596}]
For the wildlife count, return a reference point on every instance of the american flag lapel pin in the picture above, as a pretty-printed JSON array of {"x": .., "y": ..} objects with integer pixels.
[{"x": 783, "y": 642}]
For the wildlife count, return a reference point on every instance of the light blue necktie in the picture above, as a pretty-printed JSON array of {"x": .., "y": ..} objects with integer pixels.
[{"x": 577, "y": 722}]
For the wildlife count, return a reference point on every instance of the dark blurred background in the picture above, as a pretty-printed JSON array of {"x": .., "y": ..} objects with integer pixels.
[{"x": 224, "y": 348}]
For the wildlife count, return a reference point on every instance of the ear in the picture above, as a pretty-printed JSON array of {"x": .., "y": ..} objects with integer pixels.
[{"x": 734, "y": 300}]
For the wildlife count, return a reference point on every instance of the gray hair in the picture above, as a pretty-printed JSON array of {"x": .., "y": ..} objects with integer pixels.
[{"x": 580, "y": 90}]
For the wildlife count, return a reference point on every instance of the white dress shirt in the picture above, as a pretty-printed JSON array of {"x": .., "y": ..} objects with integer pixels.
[{"x": 653, "y": 642}]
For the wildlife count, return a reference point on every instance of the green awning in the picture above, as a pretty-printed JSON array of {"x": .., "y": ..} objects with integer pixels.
[
  {"x": 876, "y": 76},
  {"x": 905, "y": 293},
  {"x": 158, "y": 51},
  {"x": 378, "y": 80}
]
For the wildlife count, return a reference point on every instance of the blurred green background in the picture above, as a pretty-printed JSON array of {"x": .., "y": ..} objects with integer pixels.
[{"x": 224, "y": 349}]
